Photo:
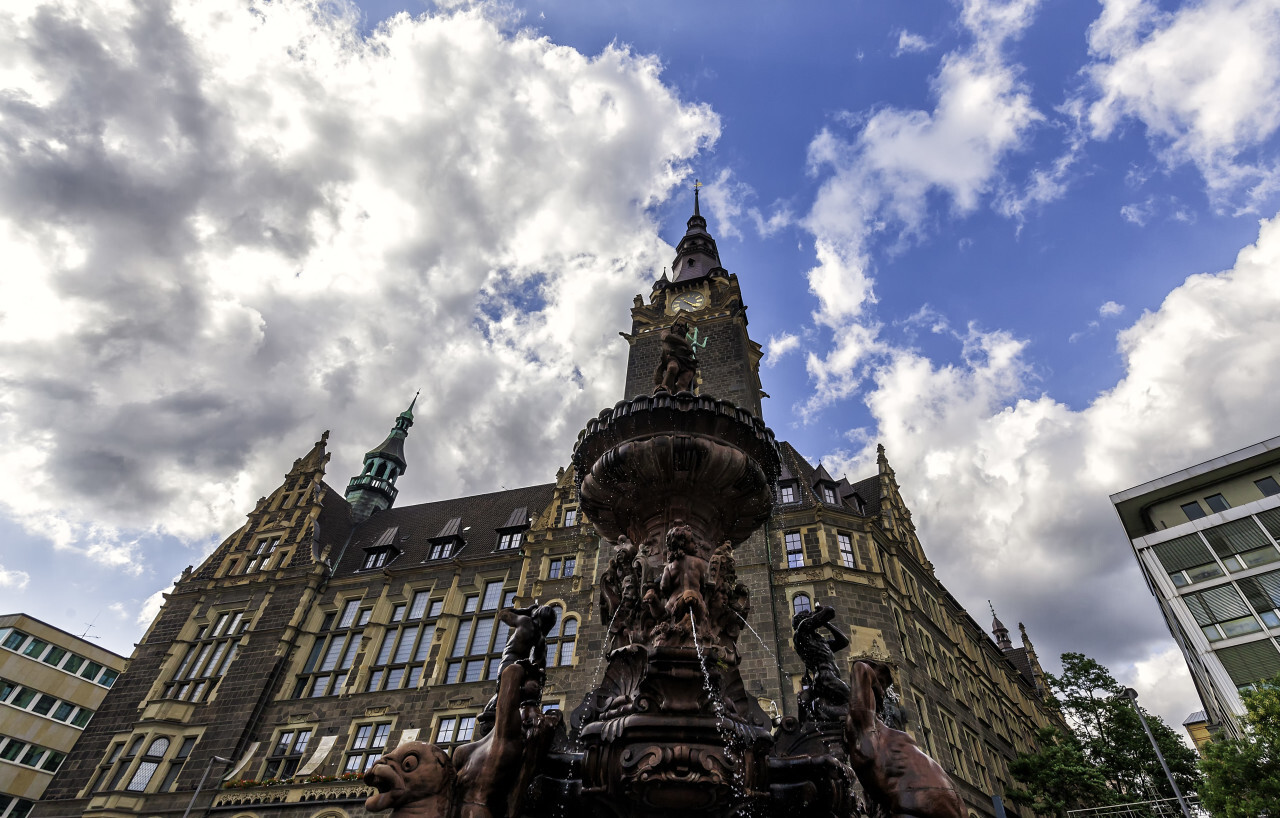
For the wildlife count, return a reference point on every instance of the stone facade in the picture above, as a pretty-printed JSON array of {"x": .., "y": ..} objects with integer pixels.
[{"x": 312, "y": 639}]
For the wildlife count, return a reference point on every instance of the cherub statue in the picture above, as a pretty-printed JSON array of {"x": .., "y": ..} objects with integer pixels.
[{"x": 683, "y": 579}]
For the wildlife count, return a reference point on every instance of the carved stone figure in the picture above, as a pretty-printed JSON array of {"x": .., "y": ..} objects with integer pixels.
[
  {"x": 729, "y": 604},
  {"x": 484, "y": 779},
  {"x": 415, "y": 780},
  {"x": 527, "y": 643},
  {"x": 893, "y": 771},
  {"x": 826, "y": 697},
  {"x": 612, "y": 580},
  {"x": 677, "y": 366},
  {"x": 683, "y": 578}
]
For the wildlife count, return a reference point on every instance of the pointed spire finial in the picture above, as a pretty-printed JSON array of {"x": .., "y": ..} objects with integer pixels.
[
  {"x": 696, "y": 184},
  {"x": 413, "y": 403},
  {"x": 993, "y": 609}
]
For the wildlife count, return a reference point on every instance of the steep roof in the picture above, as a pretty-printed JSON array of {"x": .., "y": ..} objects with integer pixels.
[
  {"x": 1018, "y": 657},
  {"x": 475, "y": 519}
]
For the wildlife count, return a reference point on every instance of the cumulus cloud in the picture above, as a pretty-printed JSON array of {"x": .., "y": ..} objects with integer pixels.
[
  {"x": 728, "y": 200},
  {"x": 880, "y": 180},
  {"x": 236, "y": 221},
  {"x": 1110, "y": 309},
  {"x": 1009, "y": 486},
  {"x": 15, "y": 579},
  {"x": 909, "y": 43},
  {"x": 778, "y": 347},
  {"x": 1203, "y": 80}
]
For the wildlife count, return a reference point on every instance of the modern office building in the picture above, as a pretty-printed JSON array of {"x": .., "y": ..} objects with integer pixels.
[
  {"x": 1205, "y": 537},
  {"x": 51, "y": 684},
  {"x": 334, "y": 625}
]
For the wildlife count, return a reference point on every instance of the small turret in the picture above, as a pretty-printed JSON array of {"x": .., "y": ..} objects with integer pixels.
[
  {"x": 999, "y": 630},
  {"x": 374, "y": 489},
  {"x": 696, "y": 254}
]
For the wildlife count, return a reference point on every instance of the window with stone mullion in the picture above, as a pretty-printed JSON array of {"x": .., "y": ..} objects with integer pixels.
[
  {"x": 367, "y": 745},
  {"x": 333, "y": 652},
  {"x": 562, "y": 640},
  {"x": 477, "y": 647},
  {"x": 287, "y": 753},
  {"x": 207, "y": 659},
  {"x": 150, "y": 762},
  {"x": 846, "y": 551}
]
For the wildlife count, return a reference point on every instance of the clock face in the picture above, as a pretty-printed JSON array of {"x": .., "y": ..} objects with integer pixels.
[{"x": 690, "y": 302}]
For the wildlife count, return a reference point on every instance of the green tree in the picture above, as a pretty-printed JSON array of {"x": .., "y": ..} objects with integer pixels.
[
  {"x": 1058, "y": 777},
  {"x": 1110, "y": 740},
  {"x": 1242, "y": 777}
]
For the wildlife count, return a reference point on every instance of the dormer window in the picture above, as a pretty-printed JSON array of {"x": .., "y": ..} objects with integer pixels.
[
  {"x": 382, "y": 550},
  {"x": 828, "y": 494},
  {"x": 786, "y": 493},
  {"x": 512, "y": 531},
  {"x": 448, "y": 542},
  {"x": 570, "y": 517}
]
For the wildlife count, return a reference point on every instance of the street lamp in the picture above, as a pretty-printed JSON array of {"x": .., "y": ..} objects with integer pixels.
[
  {"x": 208, "y": 768},
  {"x": 1132, "y": 695}
]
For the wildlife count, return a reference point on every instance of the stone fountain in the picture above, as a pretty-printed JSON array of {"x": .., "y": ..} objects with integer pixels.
[{"x": 674, "y": 481}]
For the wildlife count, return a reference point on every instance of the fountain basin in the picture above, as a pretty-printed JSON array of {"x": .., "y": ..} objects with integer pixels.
[{"x": 653, "y": 460}]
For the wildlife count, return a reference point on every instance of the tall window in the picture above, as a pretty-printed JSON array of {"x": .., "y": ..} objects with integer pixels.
[
  {"x": 801, "y": 603},
  {"x": 368, "y": 743},
  {"x": 175, "y": 766},
  {"x": 455, "y": 730},
  {"x": 795, "y": 552},
  {"x": 477, "y": 646},
  {"x": 150, "y": 762},
  {"x": 562, "y": 640},
  {"x": 329, "y": 662},
  {"x": 846, "y": 551},
  {"x": 404, "y": 646},
  {"x": 286, "y": 753},
  {"x": 207, "y": 658}
]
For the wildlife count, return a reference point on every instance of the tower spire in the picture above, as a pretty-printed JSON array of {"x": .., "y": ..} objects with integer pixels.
[
  {"x": 374, "y": 488},
  {"x": 999, "y": 630},
  {"x": 696, "y": 254}
]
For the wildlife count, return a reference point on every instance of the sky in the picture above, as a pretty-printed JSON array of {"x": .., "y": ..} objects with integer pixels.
[{"x": 1031, "y": 246}]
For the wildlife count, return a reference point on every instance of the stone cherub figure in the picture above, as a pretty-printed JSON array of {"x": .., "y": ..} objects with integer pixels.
[
  {"x": 826, "y": 697},
  {"x": 684, "y": 576},
  {"x": 893, "y": 771},
  {"x": 678, "y": 364}
]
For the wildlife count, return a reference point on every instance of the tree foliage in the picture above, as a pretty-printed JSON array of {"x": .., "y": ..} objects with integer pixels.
[
  {"x": 1058, "y": 777},
  {"x": 1109, "y": 746},
  {"x": 1242, "y": 777}
]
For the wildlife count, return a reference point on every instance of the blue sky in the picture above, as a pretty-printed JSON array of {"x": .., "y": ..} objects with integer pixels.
[{"x": 1029, "y": 246}]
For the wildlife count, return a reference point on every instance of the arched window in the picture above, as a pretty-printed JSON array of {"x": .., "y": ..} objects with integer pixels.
[
  {"x": 150, "y": 763},
  {"x": 562, "y": 640},
  {"x": 801, "y": 603}
]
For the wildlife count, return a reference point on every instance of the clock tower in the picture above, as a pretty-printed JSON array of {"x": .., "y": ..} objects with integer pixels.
[{"x": 708, "y": 297}]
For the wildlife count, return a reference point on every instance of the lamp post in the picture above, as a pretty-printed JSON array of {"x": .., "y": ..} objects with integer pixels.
[
  {"x": 1132, "y": 695},
  {"x": 208, "y": 769}
]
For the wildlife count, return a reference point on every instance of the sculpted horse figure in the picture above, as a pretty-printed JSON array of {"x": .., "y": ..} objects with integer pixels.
[{"x": 892, "y": 769}]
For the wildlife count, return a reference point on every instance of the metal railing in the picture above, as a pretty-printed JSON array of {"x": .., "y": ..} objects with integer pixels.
[{"x": 1160, "y": 808}]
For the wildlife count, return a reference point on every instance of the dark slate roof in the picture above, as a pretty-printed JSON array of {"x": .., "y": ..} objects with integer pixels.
[
  {"x": 478, "y": 519},
  {"x": 333, "y": 524},
  {"x": 1195, "y": 718},
  {"x": 519, "y": 518},
  {"x": 795, "y": 467},
  {"x": 1018, "y": 656},
  {"x": 451, "y": 529},
  {"x": 869, "y": 491}
]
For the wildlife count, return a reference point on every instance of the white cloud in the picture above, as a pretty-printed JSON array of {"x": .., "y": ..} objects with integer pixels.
[
  {"x": 778, "y": 347},
  {"x": 1009, "y": 486},
  {"x": 242, "y": 223},
  {"x": 880, "y": 181},
  {"x": 150, "y": 608},
  {"x": 15, "y": 579},
  {"x": 1138, "y": 212},
  {"x": 1164, "y": 686},
  {"x": 727, "y": 199},
  {"x": 909, "y": 43},
  {"x": 1110, "y": 309},
  {"x": 1204, "y": 80}
]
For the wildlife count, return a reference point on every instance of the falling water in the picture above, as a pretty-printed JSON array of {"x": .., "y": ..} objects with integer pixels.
[
  {"x": 722, "y": 727},
  {"x": 604, "y": 650}
]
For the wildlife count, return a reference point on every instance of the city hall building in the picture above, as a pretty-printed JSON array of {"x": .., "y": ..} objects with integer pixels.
[{"x": 335, "y": 624}]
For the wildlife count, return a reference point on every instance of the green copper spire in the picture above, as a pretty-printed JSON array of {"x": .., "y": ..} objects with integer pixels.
[{"x": 374, "y": 489}]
